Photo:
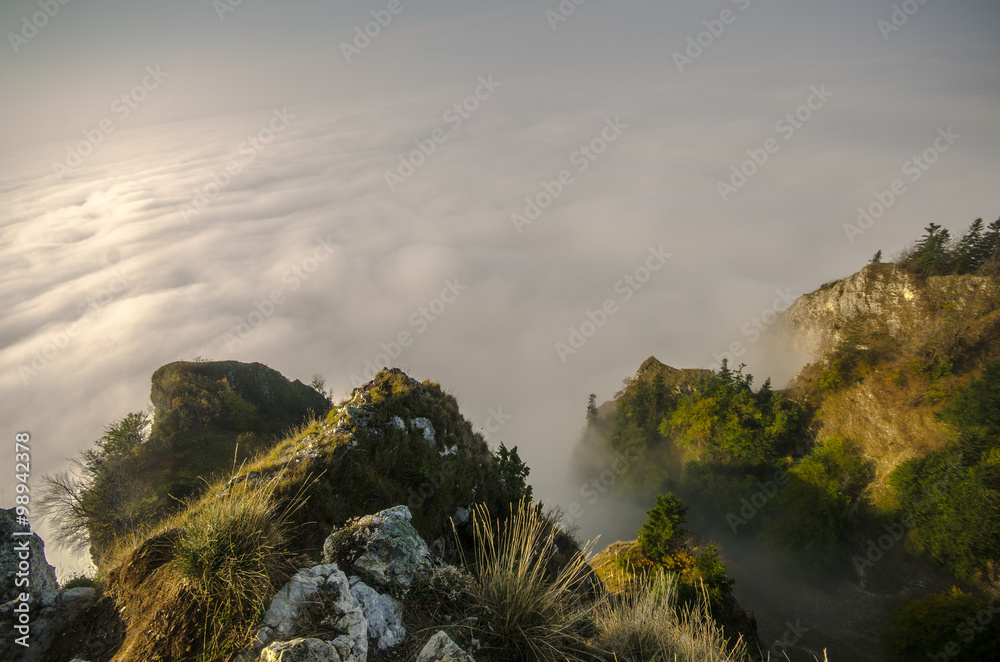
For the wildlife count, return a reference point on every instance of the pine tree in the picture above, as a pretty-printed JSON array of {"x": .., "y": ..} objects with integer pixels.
[
  {"x": 969, "y": 254},
  {"x": 877, "y": 258},
  {"x": 930, "y": 255},
  {"x": 990, "y": 248},
  {"x": 591, "y": 410}
]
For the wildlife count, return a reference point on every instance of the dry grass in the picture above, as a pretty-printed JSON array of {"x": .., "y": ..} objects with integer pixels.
[
  {"x": 643, "y": 624},
  {"x": 527, "y": 615},
  {"x": 196, "y": 588}
]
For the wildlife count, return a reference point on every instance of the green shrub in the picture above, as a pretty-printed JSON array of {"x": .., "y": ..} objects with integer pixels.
[
  {"x": 662, "y": 534},
  {"x": 942, "y": 626},
  {"x": 809, "y": 513}
]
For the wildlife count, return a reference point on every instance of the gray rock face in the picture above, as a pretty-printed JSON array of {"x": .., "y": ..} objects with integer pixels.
[
  {"x": 441, "y": 648},
  {"x": 321, "y": 593},
  {"x": 391, "y": 550},
  {"x": 22, "y": 559},
  {"x": 884, "y": 299},
  {"x": 50, "y": 613},
  {"x": 383, "y": 613}
]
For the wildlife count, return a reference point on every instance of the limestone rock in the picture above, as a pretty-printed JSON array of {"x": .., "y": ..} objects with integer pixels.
[
  {"x": 440, "y": 648},
  {"x": 324, "y": 588},
  {"x": 387, "y": 550},
  {"x": 427, "y": 427},
  {"x": 383, "y": 613}
]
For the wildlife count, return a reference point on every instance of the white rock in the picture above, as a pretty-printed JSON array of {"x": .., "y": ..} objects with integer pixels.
[
  {"x": 425, "y": 425},
  {"x": 397, "y": 423},
  {"x": 383, "y": 613},
  {"x": 394, "y": 551},
  {"x": 441, "y": 648},
  {"x": 284, "y": 615}
]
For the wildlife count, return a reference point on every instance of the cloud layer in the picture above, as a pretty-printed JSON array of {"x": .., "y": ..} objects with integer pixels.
[{"x": 242, "y": 210}]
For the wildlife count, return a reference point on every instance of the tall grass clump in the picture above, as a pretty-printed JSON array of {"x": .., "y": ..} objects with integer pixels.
[
  {"x": 231, "y": 554},
  {"x": 642, "y": 623},
  {"x": 529, "y": 610}
]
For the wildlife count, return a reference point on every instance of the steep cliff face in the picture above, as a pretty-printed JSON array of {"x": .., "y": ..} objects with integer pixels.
[
  {"x": 883, "y": 299},
  {"x": 885, "y": 351}
]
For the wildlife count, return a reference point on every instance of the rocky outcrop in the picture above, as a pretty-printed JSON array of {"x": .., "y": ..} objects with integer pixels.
[
  {"x": 23, "y": 568},
  {"x": 881, "y": 299},
  {"x": 319, "y": 599},
  {"x": 323, "y": 614},
  {"x": 384, "y": 549}
]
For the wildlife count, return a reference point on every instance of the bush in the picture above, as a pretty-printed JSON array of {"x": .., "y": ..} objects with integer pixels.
[
  {"x": 947, "y": 626},
  {"x": 809, "y": 513},
  {"x": 82, "y": 581}
]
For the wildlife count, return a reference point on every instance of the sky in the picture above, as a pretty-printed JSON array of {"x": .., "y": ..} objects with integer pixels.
[{"x": 521, "y": 201}]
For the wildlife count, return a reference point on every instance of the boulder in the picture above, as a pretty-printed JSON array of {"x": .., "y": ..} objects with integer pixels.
[
  {"x": 440, "y": 648},
  {"x": 14, "y": 569},
  {"x": 383, "y": 613},
  {"x": 50, "y": 614},
  {"x": 383, "y": 549},
  {"x": 321, "y": 591}
]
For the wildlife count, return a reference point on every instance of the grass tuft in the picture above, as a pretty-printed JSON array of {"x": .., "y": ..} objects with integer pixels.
[
  {"x": 527, "y": 614},
  {"x": 643, "y": 624}
]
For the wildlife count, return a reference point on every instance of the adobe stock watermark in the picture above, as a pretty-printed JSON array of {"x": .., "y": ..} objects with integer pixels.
[
  {"x": 364, "y": 35},
  {"x": 714, "y": 28},
  {"x": 38, "y": 20},
  {"x": 582, "y": 158},
  {"x": 122, "y": 107},
  {"x": 562, "y": 12},
  {"x": 420, "y": 319},
  {"x": 625, "y": 288},
  {"x": 454, "y": 117},
  {"x": 757, "y": 501},
  {"x": 914, "y": 168},
  {"x": 592, "y": 490},
  {"x": 60, "y": 340},
  {"x": 899, "y": 17},
  {"x": 264, "y": 309},
  {"x": 967, "y": 631},
  {"x": 755, "y": 328},
  {"x": 495, "y": 420},
  {"x": 223, "y": 7},
  {"x": 786, "y": 127},
  {"x": 792, "y": 635},
  {"x": 250, "y": 149}
]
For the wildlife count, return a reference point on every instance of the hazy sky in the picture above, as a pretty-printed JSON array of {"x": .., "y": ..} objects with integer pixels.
[{"x": 126, "y": 244}]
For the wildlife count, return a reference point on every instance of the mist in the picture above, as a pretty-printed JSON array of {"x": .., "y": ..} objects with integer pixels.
[{"x": 179, "y": 181}]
